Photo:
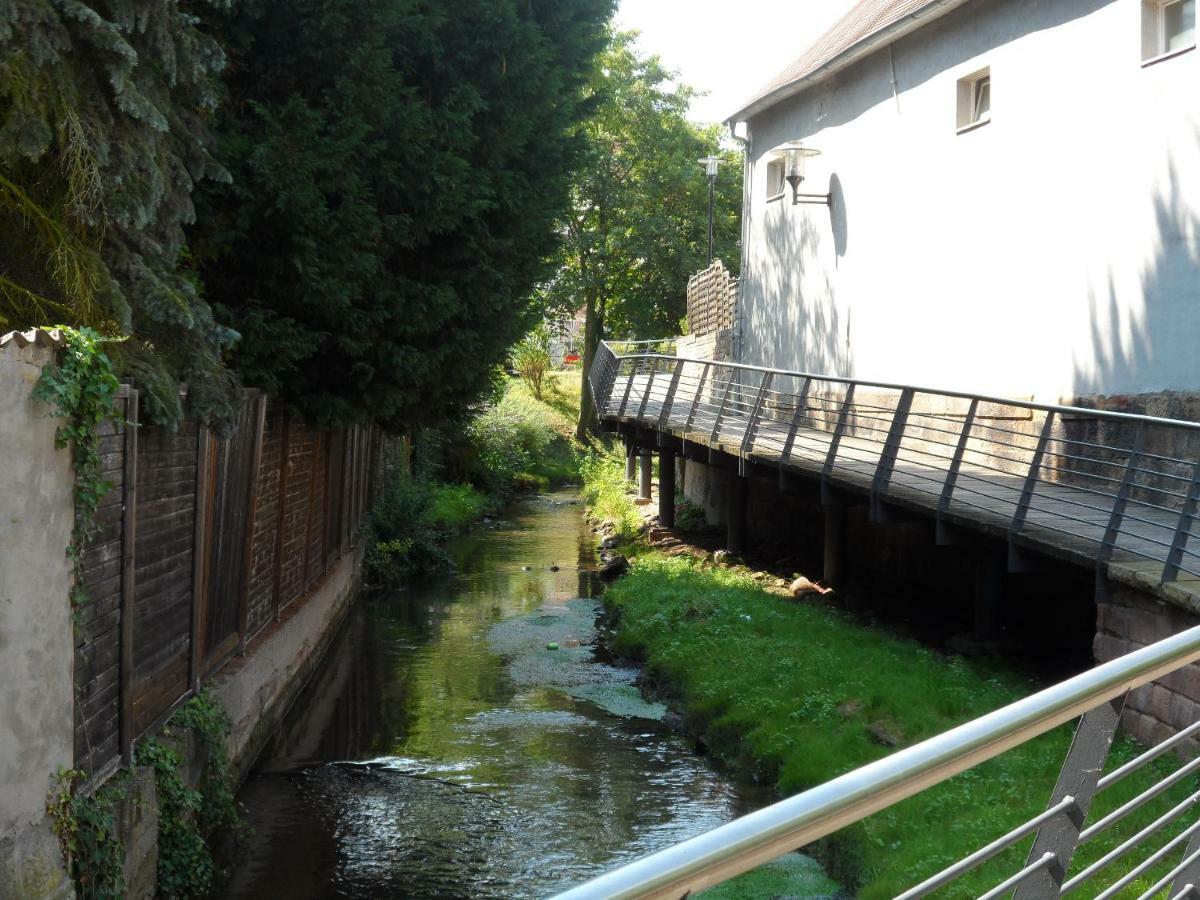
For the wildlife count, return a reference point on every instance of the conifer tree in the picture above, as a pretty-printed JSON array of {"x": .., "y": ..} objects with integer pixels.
[
  {"x": 103, "y": 136},
  {"x": 398, "y": 168}
]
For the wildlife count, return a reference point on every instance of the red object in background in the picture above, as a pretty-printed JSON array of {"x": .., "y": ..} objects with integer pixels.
[{"x": 571, "y": 358}]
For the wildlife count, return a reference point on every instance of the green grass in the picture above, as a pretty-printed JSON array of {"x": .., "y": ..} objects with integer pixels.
[
  {"x": 606, "y": 491},
  {"x": 791, "y": 691},
  {"x": 523, "y": 443},
  {"x": 452, "y": 507}
]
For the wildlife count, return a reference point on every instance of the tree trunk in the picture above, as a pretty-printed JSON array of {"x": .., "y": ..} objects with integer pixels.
[{"x": 593, "y": 329}]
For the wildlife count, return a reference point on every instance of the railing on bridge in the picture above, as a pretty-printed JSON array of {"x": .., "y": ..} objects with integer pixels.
[
  {"x": 1100, "y": 486},
  {"x": 1105, "y": 485},
  {"x": 1096, "y": 696}
]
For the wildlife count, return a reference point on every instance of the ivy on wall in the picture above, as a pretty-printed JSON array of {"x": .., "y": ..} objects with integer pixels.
[{"x": 81, "y": 387}]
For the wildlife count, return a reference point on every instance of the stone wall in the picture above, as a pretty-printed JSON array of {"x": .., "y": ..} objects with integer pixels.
[
  {"x": 1127, "y": 620},
  {"x": 36, "y": 647}
]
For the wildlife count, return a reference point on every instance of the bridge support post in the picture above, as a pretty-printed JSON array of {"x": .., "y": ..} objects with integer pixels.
[
  {"x": 834, "y": 508},
  {"x": 666, "y": 487},
  {"x": 739, "y": 487},
  {"x": 647, "y": 471},
  {"x": 630, "y": 459},
  {"x": 990, "y": 571}
]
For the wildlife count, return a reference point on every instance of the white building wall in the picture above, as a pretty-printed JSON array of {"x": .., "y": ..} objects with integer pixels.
[{"x": 1054, "y": 251}]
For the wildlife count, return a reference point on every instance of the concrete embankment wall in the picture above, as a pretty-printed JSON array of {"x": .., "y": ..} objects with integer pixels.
[{"x": 36, "y": 651}]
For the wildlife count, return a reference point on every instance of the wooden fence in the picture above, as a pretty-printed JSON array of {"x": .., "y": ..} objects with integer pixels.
[{"x": 203, "y": 541}]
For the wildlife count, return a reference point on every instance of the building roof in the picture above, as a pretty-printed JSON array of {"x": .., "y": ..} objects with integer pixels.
[{"x": 868, "y": 25}]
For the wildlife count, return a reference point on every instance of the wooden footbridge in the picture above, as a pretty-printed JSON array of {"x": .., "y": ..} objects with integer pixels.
[{"x": 1102, "y": 489}]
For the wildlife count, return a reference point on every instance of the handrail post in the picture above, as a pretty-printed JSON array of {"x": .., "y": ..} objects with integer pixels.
[
  {"x": 1035, "y": 466},
  {"x": 687, "y": 427},
  {"x": 797, "y": 417},
  {"x": 633, "y": 367},
  {"x": 716, "y": 429},
  {"x": 891, "y": 450},
  {"x": 1187, "y": 516},
  {"x": 755, "y": 414},
  {"x": 1113, "y": 531},
  {"x": 839, "y": 430},
  {"x": 960, "y": 450},
  {"x": 1079, "y": 778},
  {"x": 649, "y": 387},
  {"x": 664, "y": 419}
]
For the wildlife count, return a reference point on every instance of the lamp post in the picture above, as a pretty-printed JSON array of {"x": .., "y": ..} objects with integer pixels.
[{"x": 710, "y": 164}]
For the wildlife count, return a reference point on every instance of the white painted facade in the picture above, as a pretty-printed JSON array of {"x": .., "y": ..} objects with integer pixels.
[{"x": 1052, "y": 252}]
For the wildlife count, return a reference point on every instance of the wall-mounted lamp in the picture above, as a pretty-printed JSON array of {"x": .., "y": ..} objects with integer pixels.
[{"x": 794, "y": 155}]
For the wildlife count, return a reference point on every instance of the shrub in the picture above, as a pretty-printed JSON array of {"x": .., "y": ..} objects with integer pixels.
[
  {"x": 606, "y": 492},
  {"x": 531, "y": 359}
]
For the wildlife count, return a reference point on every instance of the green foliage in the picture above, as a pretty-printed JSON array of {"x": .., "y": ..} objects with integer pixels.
[
  {"x": 401, "y": 542},
  {"x": 638, "y": 221},
  {"x": 606, "y": 492},
  {"x": 523, "y": 442},
  {"x": 185, "y": 866},
  {"x": 104, "y": 111},
  {"x": 81, "y": 387},
  {"x": 398, "y": 170},
  {"x": 186, "y": 816},
  {"x": 792, "y": 691},
  {"x": 531, "y": 359},
  {"x": 86, "y": 827}
]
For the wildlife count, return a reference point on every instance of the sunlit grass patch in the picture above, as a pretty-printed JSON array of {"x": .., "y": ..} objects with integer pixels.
[{"x": 801, "y": 693}]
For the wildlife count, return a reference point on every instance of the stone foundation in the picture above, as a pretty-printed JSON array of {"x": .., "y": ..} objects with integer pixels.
[{"x": 1128, "y": 620}]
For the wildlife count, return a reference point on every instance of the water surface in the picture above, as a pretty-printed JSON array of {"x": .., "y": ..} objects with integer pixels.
[{"x": 444, "y": 750}]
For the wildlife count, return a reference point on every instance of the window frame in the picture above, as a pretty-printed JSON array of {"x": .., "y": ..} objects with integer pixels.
[
  {"x": 774, "y": 160},
  {"x": 968, "y": 116},
  {"x": 1154, "y": 31}
]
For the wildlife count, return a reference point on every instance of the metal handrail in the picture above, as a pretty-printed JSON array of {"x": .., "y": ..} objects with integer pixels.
[
  {"x": 747, "y": 842},
  {"x": 1081, "y": 411},
  {"x": 727, "y": 407}
]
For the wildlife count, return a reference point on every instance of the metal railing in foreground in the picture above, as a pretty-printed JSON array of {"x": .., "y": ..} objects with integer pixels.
[
  {"x": 1096, "y": 696},
  {"x": 1101, "y": 486}
]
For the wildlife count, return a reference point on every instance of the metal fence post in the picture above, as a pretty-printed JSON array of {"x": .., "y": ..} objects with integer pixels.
[
  {"x": 1113, "y": 531},
  {"x": 633, "y": 367},
  {"x": 755, "y": 414},
  {"x": 956, "y": 463},
  {"x": 1078, "y": 779},
  {"x": 1035, "y": 466},
  {"x": 664, "y": 419},
  {"x": 1187, "y": 517},
  {"x": 696, "y": 400},
  {"x": 716, "y": 429},
  {"x": 797, "y": 417},
  {"x": 891, "y": 450},
  {"x": 649, "y": 387},
  {"x": 839, "y": 430}
]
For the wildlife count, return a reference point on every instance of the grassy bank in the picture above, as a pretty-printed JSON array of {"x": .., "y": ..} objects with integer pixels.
[
  {"x": 516, "y": 444},
  {"x": 800, "y": 692}
]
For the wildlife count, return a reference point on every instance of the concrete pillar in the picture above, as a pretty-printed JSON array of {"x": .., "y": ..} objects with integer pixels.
[
  {"x": 644, "y": 482},
  {"x": 37, "y": 647},
  {"x": 990, "y": 570},
  {"x": 739, "y": 488},
  {"x": 666, "y": 487},
  {"x": 833, "y": 569},
  {"x": 630, "y": 459}
]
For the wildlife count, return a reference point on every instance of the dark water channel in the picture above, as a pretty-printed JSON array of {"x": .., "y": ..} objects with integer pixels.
[{"x": 444, "y": 751}]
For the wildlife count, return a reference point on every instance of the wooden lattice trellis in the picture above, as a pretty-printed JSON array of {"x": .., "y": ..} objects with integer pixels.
[{"x": 711, "y": 300}]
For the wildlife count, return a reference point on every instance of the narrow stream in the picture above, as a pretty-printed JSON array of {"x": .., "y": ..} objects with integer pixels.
[{"x": 445, "y": 750}]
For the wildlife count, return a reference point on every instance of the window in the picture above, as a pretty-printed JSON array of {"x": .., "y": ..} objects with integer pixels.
[
  {"x": 975, "y": 99},
  {"x": 1168, "y": 27},
  {"x": 775, "y": 179}
]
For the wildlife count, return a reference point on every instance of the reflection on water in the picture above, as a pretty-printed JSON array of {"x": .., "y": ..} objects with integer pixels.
[{"x": 415, "y": 766}]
